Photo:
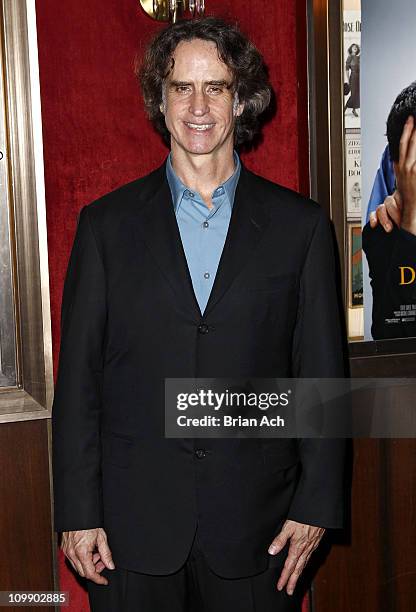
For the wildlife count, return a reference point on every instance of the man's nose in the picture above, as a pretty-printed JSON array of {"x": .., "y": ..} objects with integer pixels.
[{"x": 199, "y": 104}]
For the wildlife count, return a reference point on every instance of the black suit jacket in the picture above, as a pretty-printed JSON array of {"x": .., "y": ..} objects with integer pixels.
[
  {"x": 386, "y": 254},
  {"x": 130, "y": 318}
]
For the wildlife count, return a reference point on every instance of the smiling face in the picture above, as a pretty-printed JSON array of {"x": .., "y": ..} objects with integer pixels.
[{"x": 199, "y": 105}]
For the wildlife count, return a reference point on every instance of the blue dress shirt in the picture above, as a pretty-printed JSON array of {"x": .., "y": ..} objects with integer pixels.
[
  {"x": 203, "y": 231},
  {"x": 384, "y": 183}
]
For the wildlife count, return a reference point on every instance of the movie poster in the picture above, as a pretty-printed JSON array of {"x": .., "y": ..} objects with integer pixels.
[{"x": 387, "y": 98}]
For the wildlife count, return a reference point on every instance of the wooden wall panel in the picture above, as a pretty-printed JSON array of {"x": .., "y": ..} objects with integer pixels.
[
  {"x": 371, "y": 567},
  {"x": 25, "y": 511}
]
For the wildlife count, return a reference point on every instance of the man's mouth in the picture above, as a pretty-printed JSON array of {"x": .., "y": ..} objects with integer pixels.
[{"x": 199, "y": 127}]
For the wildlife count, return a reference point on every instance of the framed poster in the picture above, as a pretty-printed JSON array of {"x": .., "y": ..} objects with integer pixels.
[{"x": 356, "y": 73}]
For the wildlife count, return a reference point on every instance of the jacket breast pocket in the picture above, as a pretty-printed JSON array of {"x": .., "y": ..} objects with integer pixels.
[{"x": 116, "y": 449}]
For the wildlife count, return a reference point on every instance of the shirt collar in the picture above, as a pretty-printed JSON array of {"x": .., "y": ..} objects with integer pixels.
[{"x": 178, "y": 189}]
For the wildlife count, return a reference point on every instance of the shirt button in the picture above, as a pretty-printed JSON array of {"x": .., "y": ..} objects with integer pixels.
[
  {"x": 200, "y": 453},
  {"x": 205, "y": 224},
  {"x": 206, "y": 275},
  {"x": 203, "y": 328}
]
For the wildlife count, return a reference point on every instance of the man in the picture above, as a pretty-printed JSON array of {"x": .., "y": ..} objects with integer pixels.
[
  {"x": 200, "y": 269},
  {"x": 389, "y": 239}
]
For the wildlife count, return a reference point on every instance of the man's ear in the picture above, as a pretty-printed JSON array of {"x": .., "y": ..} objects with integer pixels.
[
  {"x": 239, "y": 110},
  {"x": 238, "y": 107}
]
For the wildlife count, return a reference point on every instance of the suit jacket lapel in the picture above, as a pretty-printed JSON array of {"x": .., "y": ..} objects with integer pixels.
[
  {"x": 157, "y": 226},
  {"x": 248, "y": 221}
]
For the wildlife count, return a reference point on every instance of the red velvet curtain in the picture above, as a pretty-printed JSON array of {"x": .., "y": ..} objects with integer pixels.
[{"x": 96, "y": 135}]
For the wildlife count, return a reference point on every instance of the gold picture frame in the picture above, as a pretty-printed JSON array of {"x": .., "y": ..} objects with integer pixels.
[{"x": 31, "y": 396}]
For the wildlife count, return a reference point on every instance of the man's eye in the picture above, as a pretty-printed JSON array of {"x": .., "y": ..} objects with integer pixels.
[
  {"x": 214, "y": 90},
  {"x": 182, "y": 89}
]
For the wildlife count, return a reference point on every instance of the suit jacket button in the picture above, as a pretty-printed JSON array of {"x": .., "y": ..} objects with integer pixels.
[
  {"x": 203, "y": 328},
  {"x": 200, "y": 453}
]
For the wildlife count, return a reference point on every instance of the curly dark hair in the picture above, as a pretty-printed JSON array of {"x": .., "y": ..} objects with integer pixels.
[
  {"x": 250, "y": 76},
  {"x": 403, "y": 107}
]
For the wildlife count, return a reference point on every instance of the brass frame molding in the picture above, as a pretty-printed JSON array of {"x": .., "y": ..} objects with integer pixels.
[{"x": 23, "y": 198}]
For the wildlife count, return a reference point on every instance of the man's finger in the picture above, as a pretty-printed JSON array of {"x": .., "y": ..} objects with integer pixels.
[
  {"x": 411, "y": 150},
  {"x": 76, "y": 564},
  {"x": 404, "y": 140},
  {"x": 105, "y": 552},
  {"x": 392, "y": 209},
  {"x": 72, "y": 557},
  {"x": 287, "y": 570},
  {"x": 294, "y": 577},
  {"x": 281, "y": 539},
  {"x": 383, "y": 218},
  {"x": 295, "y": 551},
  {"x": 96, "y": 557},
  {"x": 373, "y": 219},
  {"x": 397, "y": 198},
  {"x": 99, "y": 567},
  {"x": 300, "y": 566},
  {"x": 89, "y": 568},
  {"x": 278, "y": 543}
]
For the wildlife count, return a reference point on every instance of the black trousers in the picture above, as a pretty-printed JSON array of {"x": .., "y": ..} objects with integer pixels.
[{"x": 193, "y": 588}]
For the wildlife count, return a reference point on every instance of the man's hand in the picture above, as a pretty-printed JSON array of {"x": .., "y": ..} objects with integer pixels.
[
  {"x": 390, "y": 210},
  {"x": 401, "y": 206},
  {"x": 80, "y": 548},
  {"x": 405, "y": 171},
  {"x": 303, "y": 541}
]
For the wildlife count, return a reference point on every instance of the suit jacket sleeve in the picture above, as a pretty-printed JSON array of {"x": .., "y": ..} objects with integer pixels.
[
  {"x": 318, "y": 353},
  {"x": 390, "y": 255},
  {"x": 77, "y": 401}
]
